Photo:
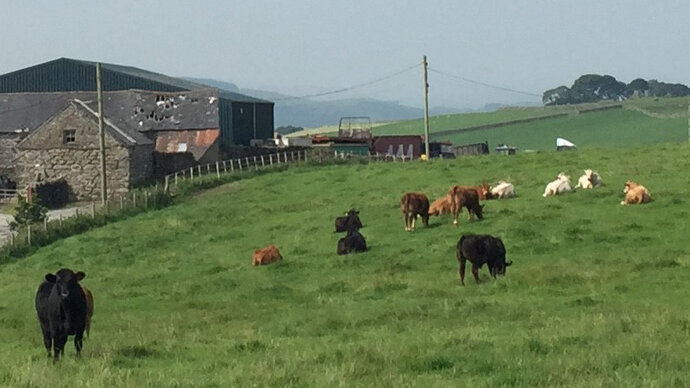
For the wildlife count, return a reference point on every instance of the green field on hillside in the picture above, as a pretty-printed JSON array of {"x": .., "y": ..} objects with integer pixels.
[
  {"x": 597, "y": 296},
  {"x": 610, "y": 128},
  {"x": 454, "y": 121},
  {"x": 642, "y": 121}
]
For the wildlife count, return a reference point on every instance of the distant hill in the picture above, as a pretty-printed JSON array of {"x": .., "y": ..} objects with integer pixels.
[{"x": 309, "y": 113}]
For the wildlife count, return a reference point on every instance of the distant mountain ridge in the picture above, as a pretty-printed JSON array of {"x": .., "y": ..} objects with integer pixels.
[{"x": 310, "y": 113}]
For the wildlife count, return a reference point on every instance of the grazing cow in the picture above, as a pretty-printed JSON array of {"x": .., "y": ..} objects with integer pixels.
[
  {"x": 590, "y": 180},
  {"x": 560, "y": 185},
  {"x": 461, "y": 196},
  {"x": 484, "y": 191},
  {"x": 440, "y": 206},
  {"x": 352, "y": 242},
  {"x": 412, "y": 205},
  {"x": 89, "y": 309},
  {"x": 635, "y": 193},
  {"x": 481, "y": 249},
  {"x": 351, "y": 219},
  {"x": 503, "y": 190},
  {"x": 61, "y": 307},
  {"x": 266, "y": 255}
]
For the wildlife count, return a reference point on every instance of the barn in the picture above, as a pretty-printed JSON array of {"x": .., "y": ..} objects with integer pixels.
[{"x": 241, "y": 118}]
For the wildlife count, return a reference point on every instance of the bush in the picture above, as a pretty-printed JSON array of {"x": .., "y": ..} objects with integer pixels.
[
  {"x": 28, "y": 212},
  {"x": 54, "y": 194}
]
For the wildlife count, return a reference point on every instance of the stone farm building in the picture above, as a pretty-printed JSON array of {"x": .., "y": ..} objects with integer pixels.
[{"x": 155, "y": 124}]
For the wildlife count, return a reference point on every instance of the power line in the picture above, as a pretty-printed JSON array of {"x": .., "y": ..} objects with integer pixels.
[
  {"x": 377, "y": 80},
  {"x": 484, "y": 83}
]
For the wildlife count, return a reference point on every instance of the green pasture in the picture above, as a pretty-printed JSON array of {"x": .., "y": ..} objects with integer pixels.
[
  {"x": 597, "y": 296},
  {"x": 605, "y": 129}
]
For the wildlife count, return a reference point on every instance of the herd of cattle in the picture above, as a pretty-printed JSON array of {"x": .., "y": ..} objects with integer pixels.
[{"x": 65, "y": 307}]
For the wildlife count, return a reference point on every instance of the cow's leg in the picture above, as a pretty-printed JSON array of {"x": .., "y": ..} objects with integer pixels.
[
  {"x": 461, "y": 270},
  {"x": 47, "y": 341},
  {"x": 407, "y": 229},
  {"x": 469, "y": 213},
  {"x": 425, "y": 219},
  {"x": 59, "y": 341},
  {"x": 78, "y": 341},
  {"x": 475, "y": 272},
  {"x": 413, "y": 220},
  {"x": 455, "y": 210}
]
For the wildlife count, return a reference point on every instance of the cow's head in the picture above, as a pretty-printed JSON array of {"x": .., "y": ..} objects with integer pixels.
[
  {"x": 629, "y": 185},
  {"x": 500, "y": 268},
  {"x": 65, "y": 281},
  {"x": 479, "y": 211}
]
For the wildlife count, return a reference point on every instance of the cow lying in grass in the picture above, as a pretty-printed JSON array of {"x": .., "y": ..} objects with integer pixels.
[
  {"x": 480, "y": 250},
  {"x": 266, "y": 255},
  {"x": 503, "y": 190},
  {"x": 635, "y": 193},
  {"x": 467, "y": 197},
  {"x": 350, "y": 220},
  {"x": 62, "y": 309},
  {"x": 590, "y": 180},
  {"x": 559, "y": 186},
  {"x": 413, "y": 205},
  {"x": 352, "y": 242}
]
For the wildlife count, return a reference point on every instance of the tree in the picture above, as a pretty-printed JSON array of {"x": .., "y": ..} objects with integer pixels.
[
  {"x": 28, "y": 212},
  {"x": 557, "y": 96},
  {"x": 637, "y": 86}
]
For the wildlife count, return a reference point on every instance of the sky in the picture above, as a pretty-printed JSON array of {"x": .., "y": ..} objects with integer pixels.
[{"x": 301, "y": 47}]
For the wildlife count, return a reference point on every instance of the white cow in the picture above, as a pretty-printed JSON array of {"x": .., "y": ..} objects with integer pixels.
[
  {"x": 503, "y": 190},
  {"x": 590, "y": 180},
  {"x": 560, "y": 185}
]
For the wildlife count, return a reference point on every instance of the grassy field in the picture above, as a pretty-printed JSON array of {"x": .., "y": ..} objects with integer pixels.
[
  {"x": 611, "y": 128},
  {"x": 597, "y": 296}
]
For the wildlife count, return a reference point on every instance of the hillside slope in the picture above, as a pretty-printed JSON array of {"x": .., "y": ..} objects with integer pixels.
[{"x": 597, "y": 294}]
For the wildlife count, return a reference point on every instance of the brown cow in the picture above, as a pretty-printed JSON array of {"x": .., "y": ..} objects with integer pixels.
[
  {"x": 440, "y": 206},
  {"x": 266, "y": 255},
  {"x": 412, "y": 205},
  {"x": 483, "y": 191},
  {"x": 468, "y": 197},
  {"x": 635, "y": 193},
  {"x": 89, "y": 308}
]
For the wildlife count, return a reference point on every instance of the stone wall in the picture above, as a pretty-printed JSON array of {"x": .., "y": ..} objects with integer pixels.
[
  {"x": 8, "y": 152},
  {"x": 44, "y": 155}
]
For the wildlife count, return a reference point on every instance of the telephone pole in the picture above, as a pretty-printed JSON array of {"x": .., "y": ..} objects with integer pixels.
[
  {"x": 101, "y": 134},
  {"x": 426, "y": 110}
]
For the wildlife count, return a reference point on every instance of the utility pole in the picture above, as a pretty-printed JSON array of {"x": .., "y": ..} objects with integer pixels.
[
  {"x": 689, "y": 121},
  {"x": 101, "y": 134},
  {"x": 426, "y": 110}
]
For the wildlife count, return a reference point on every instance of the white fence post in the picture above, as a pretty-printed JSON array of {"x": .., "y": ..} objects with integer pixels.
[
  {"x": 262, "y": 162},
  {"x": 217, "y": 170}
]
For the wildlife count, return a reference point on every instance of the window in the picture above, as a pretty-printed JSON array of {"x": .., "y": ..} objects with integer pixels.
[{"x": 69, "y": 136}]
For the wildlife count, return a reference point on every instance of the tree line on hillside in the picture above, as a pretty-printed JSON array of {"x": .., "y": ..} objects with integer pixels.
[{"x": 595, "y": 87}]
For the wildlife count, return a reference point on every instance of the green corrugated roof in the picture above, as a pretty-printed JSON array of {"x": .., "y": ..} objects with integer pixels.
[{"x": 172, "y": 81}]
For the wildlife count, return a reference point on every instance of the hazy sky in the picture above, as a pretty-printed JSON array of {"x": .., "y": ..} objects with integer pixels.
[{"x": 300, "y": 47}]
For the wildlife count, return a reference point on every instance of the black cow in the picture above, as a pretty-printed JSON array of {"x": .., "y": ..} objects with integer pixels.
[
  {"x": 352, "y": 242},
  {"x": 349, "y": 221},
  {"x": 61, "y": 307},
  {"x": 480, "y": 249}
]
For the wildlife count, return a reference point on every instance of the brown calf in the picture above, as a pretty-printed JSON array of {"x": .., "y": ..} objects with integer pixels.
[
  {"x": 440, "y": 206},
  {"x": 413, "y": 204},
  {"x": 266, "y": 255},
  {"x": 635, "y": 193},
  {"x": 468, "y": 197},
  {"x": 89, "y": 309}
]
